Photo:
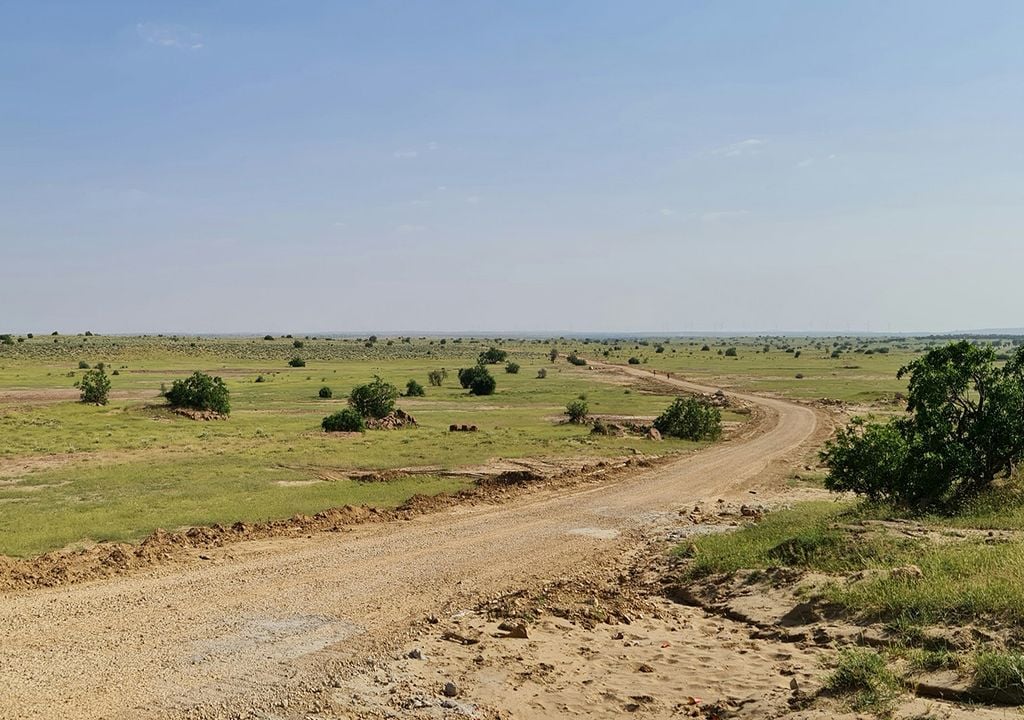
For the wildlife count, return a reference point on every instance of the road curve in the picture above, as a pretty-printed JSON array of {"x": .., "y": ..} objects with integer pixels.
[{"x": 251, "y": 624}]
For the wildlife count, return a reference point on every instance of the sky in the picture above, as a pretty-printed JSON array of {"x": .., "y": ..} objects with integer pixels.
[{"x": 662, "y": 166}]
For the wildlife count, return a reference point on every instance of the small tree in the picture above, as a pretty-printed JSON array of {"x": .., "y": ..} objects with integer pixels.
[
  {"x": 690, "y": 419},
  {"x": 478, "y": 380},
  {"x": 298, "y": 344},
  {"x": 577, "y": 410},
  {"x": 297, "y": 362},
  {"x": 512, "y": 368},
  {"x": 200, "y": 392},
  {"x": 437, "y": 377},
  {"x": 575, "y": 359},
  {"x": 553, "y": 354},
  {"x": 414, "y": 389},
  {"x": 730, "y": 352},
  {"x": 374, "y": 399},
  {"x": 345, "y": 420},
  {"x": 83, "y": 365},
  {"x": 95, "y": 387},
  {"x": 326, "y": 393},
  {"x": 634, "y": 361},
  {"x": 492, "y": 356},
  {"x": 268, "y": 337}
]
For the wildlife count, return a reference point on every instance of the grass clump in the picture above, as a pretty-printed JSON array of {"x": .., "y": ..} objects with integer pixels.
[
  {"x": 865, "y": 679},
  {"x": 1000, "y": 672}
]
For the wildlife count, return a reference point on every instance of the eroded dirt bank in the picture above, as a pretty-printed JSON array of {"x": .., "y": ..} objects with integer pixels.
[{"x": 257, "y": 629}]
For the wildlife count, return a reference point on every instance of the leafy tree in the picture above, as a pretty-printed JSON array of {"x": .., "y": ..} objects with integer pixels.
[
  {"x": 553, "y": 354},
  {"x": 634, "y": 361},
  {"x": 730, "y": 352},
  {"x": 512, "y": 368},
  {"x": 478, "y": 380},
  {"x": 492, "y": 356},
  {"x": 690, "y": 418},
  {"x": 268, "y": 337},
  {"x": 345, "y": 420},
  {"x": 298, "y": 344},
  {"x": 200, "y": 392},
  {"x": 326, "y": 393},
  {"x": 437, "y": 377},
  {"x": 95, "y": 387},
  {"x": 414, "y": 389},
  {"x": 297, "y": 362},
  {"x": 964, "y": 429},
  {"x": 374, "y": 399},
  {"x": 577, "y": 410},
  {"x": 575, "y": 359}
]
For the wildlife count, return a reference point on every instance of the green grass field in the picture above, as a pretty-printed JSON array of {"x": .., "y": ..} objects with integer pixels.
[{"x": 71, "y": 472}]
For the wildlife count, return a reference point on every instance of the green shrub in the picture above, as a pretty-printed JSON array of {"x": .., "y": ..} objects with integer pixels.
[
  {"x": 542, "y": 373},
  {"x": 298, "y": 344},
  {"x": 705, "y": 348},
  {"x": 965, "y": 429},
  {"x": 512, "y": 368},
  {"x": 346, "y": 420},
  {"x": 492, "y": 356},
  {"x": 268, "y": 337},
  {"x": 374, "y": 399},
  {"x": 200, "y": 392},
  {"x": 553, "y": 354},
  {"x": 95, "y": 387},
  {"x": 477, "y": 380},
  {"x": 730, "y": 352},
  {"x": 690, "y": 419},
  {"x": 575, "y": 359},
  {"x": 414, "y": 389},
  {"x": 326, "y": 393},
  {"x": 634, "y": 361},
  {"x": 437, "y": 377},
  {"x": 297, "y": 362},
  {"x": 83, "y": 365},
  {"x": 577, "y": 410}
]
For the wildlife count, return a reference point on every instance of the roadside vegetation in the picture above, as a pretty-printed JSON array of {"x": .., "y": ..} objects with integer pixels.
[{"x": 935, "y": 542}]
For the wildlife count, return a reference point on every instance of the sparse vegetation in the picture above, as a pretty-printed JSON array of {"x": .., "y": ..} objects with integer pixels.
[
  {"x": 478, "y": 380},
  {"x": 512, "y": 368},
  {"x": 326, "y": 393},
  {"x": 297, "y": 362},
  {"x": 414, "y": 389},
  {"x": 492, "y": 356},
  {"x": 437, "y": 377}
]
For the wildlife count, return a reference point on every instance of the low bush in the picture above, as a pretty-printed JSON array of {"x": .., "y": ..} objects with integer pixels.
[
  {"x": 346, "y": 420},
  {"x": 414, "y": 389},
  {"x": 690, "y": 418},
  {"x": 575, "y": 359},
  {"x": 297, "y": 362},
  {"x": 326, "y": 393},
  {"x": 512, "y": 368},
  {"x": 83, "y": 365},
  {"x": 730, "y": 352},
  {"x": 634, "y": 361},
  {"x": 437, "y": 377},
  {"x": 492, "y": 356},
  {"x": 577, "y": 410},
  {"x": 478, "y": 380},
  {"x": 542, "y": 373},
  {"x": 200, "y": 392},
  {"x": 95, "y": 387},
  {"x": 374, "y": 399}
]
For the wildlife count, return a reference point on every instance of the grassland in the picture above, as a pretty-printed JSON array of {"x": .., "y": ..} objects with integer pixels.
[{"x": 71, "y": 472}]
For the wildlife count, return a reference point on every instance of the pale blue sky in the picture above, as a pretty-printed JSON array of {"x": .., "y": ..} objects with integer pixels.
[{"x": 573, "y": 166}]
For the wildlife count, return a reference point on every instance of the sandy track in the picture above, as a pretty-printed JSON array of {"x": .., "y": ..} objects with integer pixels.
[{"x": 253, "y": 623}]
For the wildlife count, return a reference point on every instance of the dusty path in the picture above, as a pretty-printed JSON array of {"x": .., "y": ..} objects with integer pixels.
[{"x": 256, "y": 622}]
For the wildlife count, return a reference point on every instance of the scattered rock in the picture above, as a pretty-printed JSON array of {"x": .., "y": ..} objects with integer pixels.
[
  {"x": 450, "y": 690},
  {"x": 415, "y": 654},
  {"x": 654, "y": 434}
]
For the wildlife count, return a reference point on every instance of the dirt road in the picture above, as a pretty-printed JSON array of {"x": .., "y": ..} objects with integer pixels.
[{"x": 255, "y": 623}]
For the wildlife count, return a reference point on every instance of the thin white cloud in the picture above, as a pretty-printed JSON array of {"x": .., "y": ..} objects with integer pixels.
[
  {"x": 750, "y": 146},
  {"x": 719, "y": 215},
  {"x": 406, "y": 154},
  {"x": 667, "y": 212},
  {"x": 169, "y": 35}
]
